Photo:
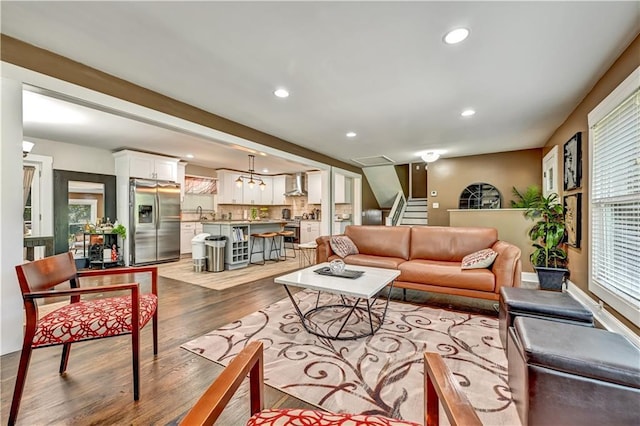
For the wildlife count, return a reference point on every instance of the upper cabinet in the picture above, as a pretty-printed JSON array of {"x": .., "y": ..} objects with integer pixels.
[
  {"x": 229, "y": 192},
  {"x": 314, "y": 188},
  {"x": 182, "y": 166},
  {"x": 280, "y": 185},
  {"x": 257, "y": 195},
  {"x": 146, "y": 166},
  {"x": 342, "y": 189}
]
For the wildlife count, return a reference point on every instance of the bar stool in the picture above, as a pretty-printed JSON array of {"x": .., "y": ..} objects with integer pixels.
[
  {"x": 287, "y": 237},
  {"x": 273, "y": 247}
]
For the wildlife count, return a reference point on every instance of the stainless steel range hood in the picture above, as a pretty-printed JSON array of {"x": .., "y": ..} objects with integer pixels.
[{"x": 298, "y": 187}]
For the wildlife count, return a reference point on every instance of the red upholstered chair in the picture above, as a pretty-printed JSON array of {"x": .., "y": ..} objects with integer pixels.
[
  {"x": 82, "y": 319},
  {"x": 440, "y": 386}
]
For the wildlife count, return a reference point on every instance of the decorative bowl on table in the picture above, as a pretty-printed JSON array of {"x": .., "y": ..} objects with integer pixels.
[{"x": 336, "y": 266}]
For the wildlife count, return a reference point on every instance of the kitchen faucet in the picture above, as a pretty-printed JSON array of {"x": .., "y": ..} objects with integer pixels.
[{"x": 199, "y": 212}]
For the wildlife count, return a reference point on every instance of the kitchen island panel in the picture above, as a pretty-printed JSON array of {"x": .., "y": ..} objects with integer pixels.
[{"x": 238, "y": 238}]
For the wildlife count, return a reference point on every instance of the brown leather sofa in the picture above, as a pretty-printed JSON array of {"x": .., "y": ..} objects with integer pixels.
[{"x": 429, "y": 257}]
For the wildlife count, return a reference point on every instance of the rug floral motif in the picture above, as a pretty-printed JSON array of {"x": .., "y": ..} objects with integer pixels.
[{"x": 379, "y": 374}]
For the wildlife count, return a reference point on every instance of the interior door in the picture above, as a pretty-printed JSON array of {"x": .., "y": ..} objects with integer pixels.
[{"x": 550, "y": 172}]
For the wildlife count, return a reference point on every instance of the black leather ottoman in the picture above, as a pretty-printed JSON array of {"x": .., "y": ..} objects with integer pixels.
[
  {"x": 552, "y": 305},
  {"x": 565, "y": 374}
]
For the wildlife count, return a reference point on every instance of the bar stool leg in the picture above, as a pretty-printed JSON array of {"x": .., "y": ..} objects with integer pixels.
[
  {"x": 274, "y": 247},
  {"x": 251, "y": 252}
]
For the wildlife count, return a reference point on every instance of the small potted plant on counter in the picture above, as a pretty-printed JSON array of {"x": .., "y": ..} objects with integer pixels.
[{"x": 548, "y": 233}]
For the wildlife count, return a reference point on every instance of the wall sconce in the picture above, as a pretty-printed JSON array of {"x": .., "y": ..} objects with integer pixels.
[
  {"x": 26, "y": 148},
  {"x": 251, "y": 171}
]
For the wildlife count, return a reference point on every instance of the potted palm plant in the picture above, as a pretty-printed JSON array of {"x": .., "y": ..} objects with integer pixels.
[{"x": 549, "y": 257}]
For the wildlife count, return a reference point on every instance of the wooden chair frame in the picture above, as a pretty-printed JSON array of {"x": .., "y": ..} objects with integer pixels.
[
  {"x": 37, "y": 280},
  {"x": 440, "y": 387}
]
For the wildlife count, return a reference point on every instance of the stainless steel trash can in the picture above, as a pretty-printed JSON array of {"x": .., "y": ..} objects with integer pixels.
[{"x": 215, "y": 252}]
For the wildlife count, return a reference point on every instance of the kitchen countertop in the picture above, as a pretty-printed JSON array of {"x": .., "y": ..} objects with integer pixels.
[{"x": 242, "y": 222}]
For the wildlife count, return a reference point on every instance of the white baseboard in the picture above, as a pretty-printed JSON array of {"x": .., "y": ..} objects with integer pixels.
[{"x": 600, "y": 314}]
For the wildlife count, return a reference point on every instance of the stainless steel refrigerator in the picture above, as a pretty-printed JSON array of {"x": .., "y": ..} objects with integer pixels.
[{"x": 154, "y": 218}]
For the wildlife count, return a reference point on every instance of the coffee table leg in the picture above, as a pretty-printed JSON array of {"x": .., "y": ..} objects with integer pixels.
[
  {"x": 295, "y": 305},
  {"x": 353, "y": 308},
  {"x": 370, "y": 316}
]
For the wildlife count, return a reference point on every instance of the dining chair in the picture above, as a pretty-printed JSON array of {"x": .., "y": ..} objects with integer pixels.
[
  {"x": 82, "y": 319},
  {"x": 440, "y": 385}
]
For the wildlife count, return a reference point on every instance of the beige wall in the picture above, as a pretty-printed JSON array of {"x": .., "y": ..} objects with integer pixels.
[
  {"x": 577, "y": 122},
  {"x": 511, "y": 224},
  {"x": 450, "y": 176}
]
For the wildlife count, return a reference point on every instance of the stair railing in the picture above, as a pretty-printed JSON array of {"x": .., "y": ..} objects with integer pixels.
[{"x": 397, "y": 210}]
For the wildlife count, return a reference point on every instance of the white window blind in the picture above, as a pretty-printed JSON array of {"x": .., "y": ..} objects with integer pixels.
[{"x": 615, "y": 205}]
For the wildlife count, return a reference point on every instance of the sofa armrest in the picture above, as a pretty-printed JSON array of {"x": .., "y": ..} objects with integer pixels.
[
  {"x": 324, "y": 251},
  {"x": 508, "y": 267}
]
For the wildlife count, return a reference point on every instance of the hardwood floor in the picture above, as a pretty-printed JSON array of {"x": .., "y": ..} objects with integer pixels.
[{"x": 97, "y": 388}]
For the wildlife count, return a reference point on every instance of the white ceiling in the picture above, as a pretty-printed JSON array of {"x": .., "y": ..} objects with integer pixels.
[{"x": 377, "y": 68}]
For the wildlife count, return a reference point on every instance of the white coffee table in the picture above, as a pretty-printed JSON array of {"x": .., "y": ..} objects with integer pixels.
[{"x": 365, "y": 289}]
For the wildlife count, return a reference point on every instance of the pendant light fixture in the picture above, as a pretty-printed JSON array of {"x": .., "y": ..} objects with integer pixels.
[{"x": 251, "y": 183}]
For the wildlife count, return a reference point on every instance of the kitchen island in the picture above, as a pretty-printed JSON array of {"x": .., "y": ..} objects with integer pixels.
[{"x": 238, "y": 234}]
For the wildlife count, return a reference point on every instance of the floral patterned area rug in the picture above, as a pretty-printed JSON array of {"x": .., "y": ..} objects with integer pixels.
[{"x": 379, "y": 374}]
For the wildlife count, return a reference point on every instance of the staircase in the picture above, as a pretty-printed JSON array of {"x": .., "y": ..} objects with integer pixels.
[{"x": 416, "y": 212}]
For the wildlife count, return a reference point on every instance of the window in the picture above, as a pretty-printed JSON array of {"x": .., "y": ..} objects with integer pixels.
[
  {"x": 480, "y": 196},
  {"x": 81, "y": 212},
  {"x": 614, "y": 141}
]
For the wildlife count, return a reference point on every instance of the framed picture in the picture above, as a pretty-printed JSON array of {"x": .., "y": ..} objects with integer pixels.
[
  {"x": 573, "y": 218},
  {"x": 573, "y": 162}
]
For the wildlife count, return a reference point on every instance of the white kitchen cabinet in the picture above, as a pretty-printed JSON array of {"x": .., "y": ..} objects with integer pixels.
[
  {"x": 188, "y": 230},
  {"x": 256, "y": 196},
  {"x": 228, "y": 191},
  {"x": 146, "y": 166},
  {"x": 181, "y": 172},
  {"x": 266, "y": 195},
  {"x": 339, "y": 226},
  {"x": 341, "y": 189},
  {"x": 279, "y": 188},
  {"x": 309, "y": 231},
  {"x": 314, "y": 188}
]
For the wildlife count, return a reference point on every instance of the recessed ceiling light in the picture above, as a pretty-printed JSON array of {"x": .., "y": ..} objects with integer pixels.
[
  {"x": 351, "y": 134},
  {"x": 281, "y": 93},
  {"x": 265, "y": 170},
  {"x": 456, "y": 36},
  {"x": 189, "y": 155},
  {"x": 467, "y": 113}
]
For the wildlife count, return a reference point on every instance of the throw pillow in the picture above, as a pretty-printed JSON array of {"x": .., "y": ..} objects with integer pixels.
[
  {"x": 343, "y": 246},
  {"x": 480, "y": 259}
]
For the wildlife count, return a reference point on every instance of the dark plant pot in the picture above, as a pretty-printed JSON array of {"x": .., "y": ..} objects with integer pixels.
[{"x": 551, "y": 278}]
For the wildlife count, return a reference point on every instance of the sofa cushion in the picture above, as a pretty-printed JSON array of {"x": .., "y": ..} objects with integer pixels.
[
  {"x": 449, "y": 244},
  {"x": 368, "y": 260},
  {"x": 446, "y": 274},
  {"x": 479, "y": 259},
  {"x": 391, "y": 241},
  {"x": 342, "y": 245}
]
